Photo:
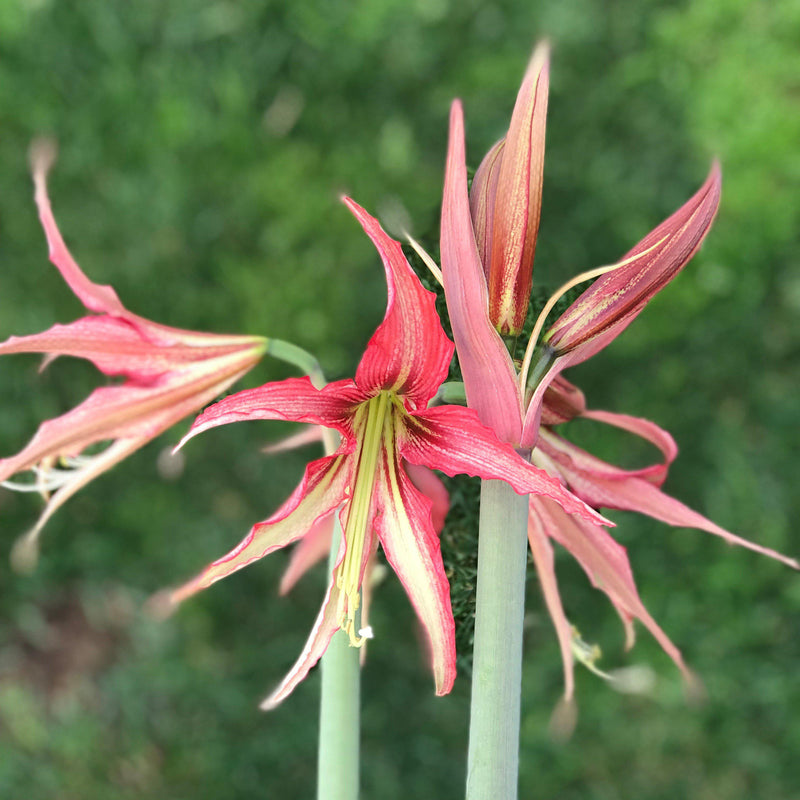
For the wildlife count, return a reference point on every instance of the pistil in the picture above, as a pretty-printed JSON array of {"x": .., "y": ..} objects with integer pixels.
[{"x": 348, "y": 577}]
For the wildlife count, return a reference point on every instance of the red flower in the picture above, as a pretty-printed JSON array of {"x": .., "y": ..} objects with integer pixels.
[
  {"x": 384, "y": 424},
  {"x": 170, "y": 373}
]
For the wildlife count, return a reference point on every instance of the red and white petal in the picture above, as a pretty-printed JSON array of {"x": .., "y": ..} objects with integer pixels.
[
  {"x": 518, "y": 200},
  {"x": 322, "y": 489},
  {"x": 293, "y": 400},
  {"x": 634, "y": 494},
  {"x": 615, "y": 300},
  {"x": 490, "y": 380},
  {"x": 453, "y": 440},
  {"x": 411, "y": 545},
  {"x": 605, "y": 561},
  {"x": 544, "y": 561},
  {"x": 308, "y": 552},
  {"x": 432, "y": 487},
  {"x": 324, "y": 628},
  {"x": 117, "y": 347},
  {"x": 409, "y": 353},
  {"x": 128, "y": 411}
]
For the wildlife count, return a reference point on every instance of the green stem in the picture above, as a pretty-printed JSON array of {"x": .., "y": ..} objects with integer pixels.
[
  {"x": 492, "y": 765},
  {"x": 337, "y": 761}
]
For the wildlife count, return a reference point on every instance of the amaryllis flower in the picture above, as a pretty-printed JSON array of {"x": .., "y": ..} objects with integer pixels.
[
  {"x": 487, "y": 241},
  {"x": 384, "y": 423},
  {"x": 170, "y": 373}
]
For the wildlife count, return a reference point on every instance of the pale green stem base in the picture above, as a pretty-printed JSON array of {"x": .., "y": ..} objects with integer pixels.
[
  {"x": 338, "y": 757},
  {"x": 493, "y": 761}
]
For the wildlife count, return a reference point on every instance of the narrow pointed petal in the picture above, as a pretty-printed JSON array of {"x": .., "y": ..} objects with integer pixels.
[
  {"x": 324, "y": 628},
  {"x": 293, "y": 400},
  {"x": 308, "y": 552},
  {"x": 519, "y": 200},
  {"x": 482, "y": 195},
  {"x": 412, "y": 549},
  {"x": 426, "y": 481},
  {"x": 322, "y": 489},
  {"x": 489, "y": 375},
  {"x": 645, "y": 429},
  {"x": 117, "y": 347},
  {"x": 634, "y": 494},
  {"x": 453, "y": 440},
  {"x": 606, "y": 563},
  {"x": 544, "y": 560},
  {"x": 102, "y": 299},
  {"x": 409, "y": 352},
  {"x": 613, "y": 301}
]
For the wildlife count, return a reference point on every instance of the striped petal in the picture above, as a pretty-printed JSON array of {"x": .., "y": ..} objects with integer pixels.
[
  {"x": 613, "y": 301},
  {"x": 127, "y": 411},
  {"x": 324, "y": 628},
  {"x": 406, "y": 533},
  {"x": 409, "y": 353},
  {"x": 489, "y": 375},
  {"x": 293, "y": 400},
  {"x": 321, "y": 491},
  {"x": 518, "y": 201},
  {"x": 452, "y": 439}
]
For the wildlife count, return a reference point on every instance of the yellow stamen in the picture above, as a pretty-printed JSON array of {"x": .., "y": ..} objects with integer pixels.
[{"x": 371, "y": 418}]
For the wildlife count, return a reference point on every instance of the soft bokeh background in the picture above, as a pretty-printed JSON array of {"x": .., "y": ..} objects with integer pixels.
[{"x": 203, "y": 145}]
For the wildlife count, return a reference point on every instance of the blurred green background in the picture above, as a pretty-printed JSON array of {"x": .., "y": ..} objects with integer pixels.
[{"x": 203, "y": 146}]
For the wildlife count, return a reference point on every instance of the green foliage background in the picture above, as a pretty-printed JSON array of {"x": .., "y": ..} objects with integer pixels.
[{"x": 203, "y": 145}]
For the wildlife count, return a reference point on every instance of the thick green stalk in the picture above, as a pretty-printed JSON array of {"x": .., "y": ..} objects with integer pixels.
[
  {"x": 337, "y": 760},
  {"x": 493, "y": 760}
]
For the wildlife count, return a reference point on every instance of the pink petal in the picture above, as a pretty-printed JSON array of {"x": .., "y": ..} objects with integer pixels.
[
  {"x": 489, "y": 375},
  {"x": 127, "y": 411},
  {"x": 322, "y": 489},
  {"x": 574, "y": 462},
  {"x": 544, "y": 560},
  {"x": 519, "y": 200},
  {"x": 482, "y": 195},
  {"x": 562, "y": 402},
  {"x": 409, "y": 352},
  {"x": 116, "y": 347},
  {"x": 94, "y": 296},
  {"x": 293, "y": 400},
  {"x": 613, "y": 301},
  {"x": 426, "y": 481},
  {"x": 411, "y": 545},
  {"x": 634, "y": 494},
  {"x": 453, "y": 440},
  {"x": 308, "y": 552},
  {"x": 324, "y": 628},
  {"x": 648, "y": 430},
  {"x": 606, "y": 563}
]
